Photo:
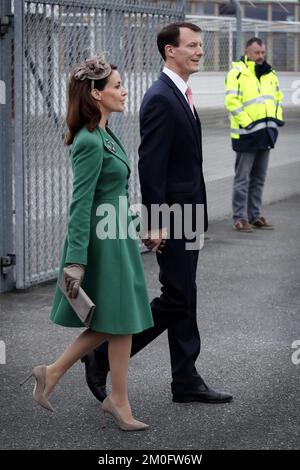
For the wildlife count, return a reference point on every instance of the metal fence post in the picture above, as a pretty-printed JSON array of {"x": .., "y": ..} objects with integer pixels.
[
  {"x": 230, "y": 43},
  {"x": 238, "y": 15},
  {"x": 183, "y": 5},
  {"x": 19, "y": 147},
  {"x": 6, "y": 184}
]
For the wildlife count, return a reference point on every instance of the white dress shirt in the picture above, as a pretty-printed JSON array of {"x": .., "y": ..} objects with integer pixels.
[{"x": 179, "y": 82}]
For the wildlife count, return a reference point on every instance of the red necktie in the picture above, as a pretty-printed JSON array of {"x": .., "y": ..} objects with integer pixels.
[{"x": 189, "y": 96}]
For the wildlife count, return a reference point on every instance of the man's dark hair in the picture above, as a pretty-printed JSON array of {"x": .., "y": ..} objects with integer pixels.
[
  {"x": 170, "y": 35},
  {"x": 253, "y": 40}
]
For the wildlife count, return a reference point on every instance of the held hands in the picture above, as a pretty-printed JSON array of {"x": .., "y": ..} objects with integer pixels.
[
  {"x": 74, "y": 274},
  {"x": 155, "y": 240}
]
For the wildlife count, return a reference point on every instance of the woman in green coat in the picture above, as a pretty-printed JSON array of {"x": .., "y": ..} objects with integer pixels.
[{"x": 106, "y": 263}]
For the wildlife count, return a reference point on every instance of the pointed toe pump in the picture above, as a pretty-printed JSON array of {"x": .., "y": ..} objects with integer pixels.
[
  {"x": 108, "y": 407},
  {"x": 39, "y": 373}
]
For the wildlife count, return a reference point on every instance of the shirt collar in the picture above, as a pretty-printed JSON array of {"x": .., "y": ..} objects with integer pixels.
[{"x": 179, "y": 82}]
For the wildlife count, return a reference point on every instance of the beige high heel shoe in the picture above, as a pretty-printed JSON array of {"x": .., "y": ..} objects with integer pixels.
[
  {"x": 39, "y": 373},
  {"x": 108, "y": 407}
]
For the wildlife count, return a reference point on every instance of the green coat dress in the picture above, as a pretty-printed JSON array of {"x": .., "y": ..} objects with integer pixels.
[{"x": 114, "y": 277}]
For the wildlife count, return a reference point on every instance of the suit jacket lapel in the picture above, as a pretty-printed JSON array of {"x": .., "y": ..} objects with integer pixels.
[{"x": 194, "y": 123}]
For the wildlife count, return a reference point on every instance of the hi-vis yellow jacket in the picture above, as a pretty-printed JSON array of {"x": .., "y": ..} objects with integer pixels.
[{"x": 254, "y": 105}]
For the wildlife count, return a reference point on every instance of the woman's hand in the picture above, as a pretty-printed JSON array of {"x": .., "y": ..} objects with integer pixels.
[{"x": 73, "y": 274}]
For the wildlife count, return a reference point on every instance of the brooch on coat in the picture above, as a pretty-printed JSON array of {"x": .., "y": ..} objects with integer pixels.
[{"x": 110, "y": 145}]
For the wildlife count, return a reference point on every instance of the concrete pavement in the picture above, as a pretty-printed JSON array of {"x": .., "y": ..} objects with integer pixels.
[{"x": 218, "y": 161}]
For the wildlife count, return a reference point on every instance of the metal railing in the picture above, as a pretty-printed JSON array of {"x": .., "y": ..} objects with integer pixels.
[
  {"x": 282, "y": 40},
  {"x": 6, "y": 137}
]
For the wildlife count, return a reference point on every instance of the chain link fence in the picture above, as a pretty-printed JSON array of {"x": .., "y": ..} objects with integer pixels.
[
  {"x": 219, "y": 38},
  {"x": 50, "y": 36}
]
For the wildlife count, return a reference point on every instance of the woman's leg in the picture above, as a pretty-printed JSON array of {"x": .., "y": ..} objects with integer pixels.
[
  {"x": 86, "y": 341},
  {"x": 119, "y": 348}
]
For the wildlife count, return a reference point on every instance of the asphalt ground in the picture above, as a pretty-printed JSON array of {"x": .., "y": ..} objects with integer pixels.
[{"x": 248, "y": 315}]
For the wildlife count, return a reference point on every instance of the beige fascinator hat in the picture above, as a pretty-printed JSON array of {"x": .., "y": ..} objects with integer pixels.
[{"x": 93, "y": 69}]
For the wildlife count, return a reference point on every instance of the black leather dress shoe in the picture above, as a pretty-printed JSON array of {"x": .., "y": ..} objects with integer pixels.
[
  {"x": 95, "y": 377},
  {"x": 202, "y": 393}
]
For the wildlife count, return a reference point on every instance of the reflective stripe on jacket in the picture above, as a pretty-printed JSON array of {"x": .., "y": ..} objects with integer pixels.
[{"x": 254, "y": 104}]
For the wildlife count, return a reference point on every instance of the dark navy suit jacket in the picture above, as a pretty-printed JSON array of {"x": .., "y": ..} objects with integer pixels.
[{"x": 170, "y": 153}]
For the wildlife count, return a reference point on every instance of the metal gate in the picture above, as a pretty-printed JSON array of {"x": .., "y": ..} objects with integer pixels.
[{"x": 49, "y": 37}]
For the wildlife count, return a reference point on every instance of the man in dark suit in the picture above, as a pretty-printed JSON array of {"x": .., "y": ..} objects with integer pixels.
[{"x": 170, "y": 169}]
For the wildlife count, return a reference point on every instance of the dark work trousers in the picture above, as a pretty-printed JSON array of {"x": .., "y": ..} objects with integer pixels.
[
  {"x": 176, "y": 311},
  {"x": 248, "y": 185}
]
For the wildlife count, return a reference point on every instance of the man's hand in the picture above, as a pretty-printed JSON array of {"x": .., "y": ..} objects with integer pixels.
[
  {"x": 155, "y": 240},
  {"x": 74, "y": 274}
]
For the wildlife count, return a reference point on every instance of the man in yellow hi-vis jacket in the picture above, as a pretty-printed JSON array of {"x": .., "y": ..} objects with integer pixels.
[{"x": 253, "y": 99}]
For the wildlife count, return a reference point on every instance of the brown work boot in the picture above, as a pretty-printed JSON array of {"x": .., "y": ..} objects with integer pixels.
[
  {"x": 262, "y": 224},
  {"x": 241, "y": 225}
]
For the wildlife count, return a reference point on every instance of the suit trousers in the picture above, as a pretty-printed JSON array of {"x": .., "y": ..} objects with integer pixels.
[{"x": 175, "y": 310}]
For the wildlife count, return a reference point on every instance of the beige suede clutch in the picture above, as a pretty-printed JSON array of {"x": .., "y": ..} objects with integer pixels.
[{"x": 82, "y": 304}]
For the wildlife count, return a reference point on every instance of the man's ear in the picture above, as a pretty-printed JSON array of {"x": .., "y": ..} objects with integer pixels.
[
  {"x": 96, "y": 94},
  {"x": 169, "y": 50}
]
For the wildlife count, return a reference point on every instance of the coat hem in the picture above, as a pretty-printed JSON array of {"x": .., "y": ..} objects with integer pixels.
[{"x": 131, "y": 332}]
